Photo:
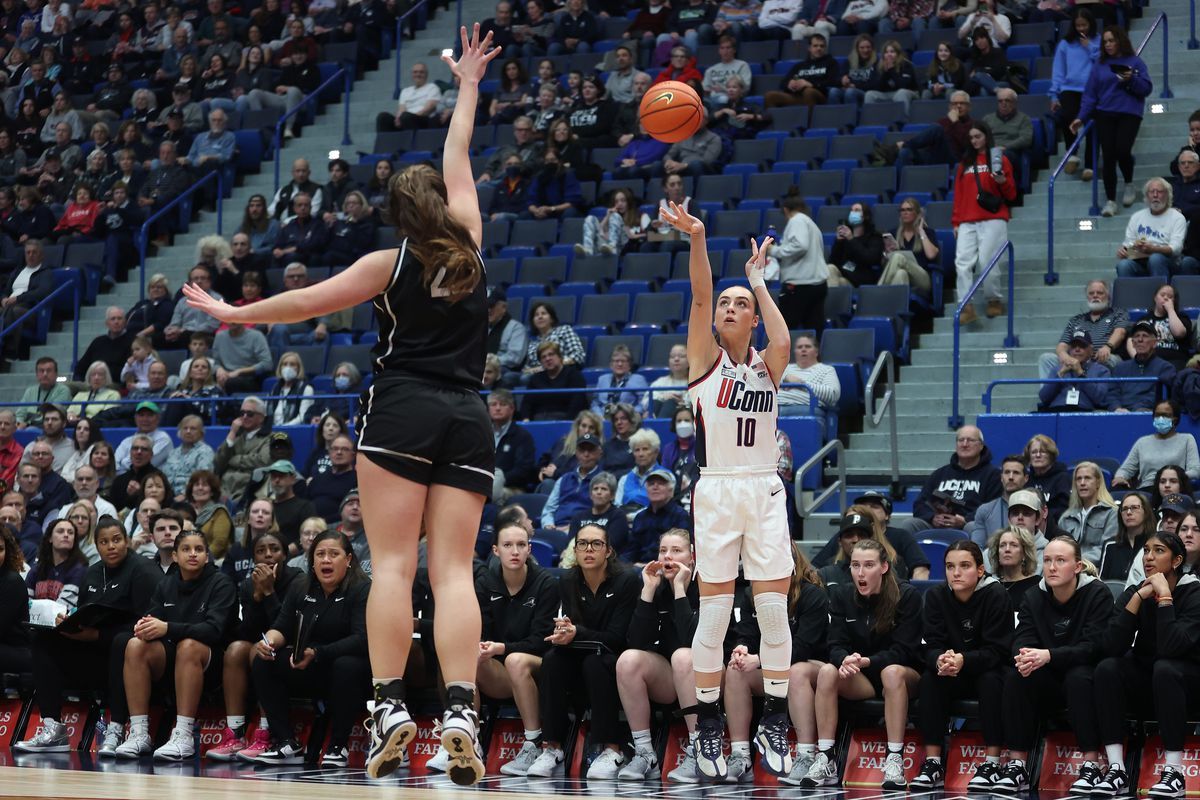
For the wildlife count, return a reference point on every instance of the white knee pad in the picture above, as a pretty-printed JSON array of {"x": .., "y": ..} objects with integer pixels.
[
  {"x": 708, "y": 643},
  {"x": 775, "y": 648}
]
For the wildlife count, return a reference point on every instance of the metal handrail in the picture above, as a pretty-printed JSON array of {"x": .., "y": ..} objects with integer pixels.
[
  {"x": 818, "y": 459},
  {"x": 1051, "y": 275},
  {"x": 44, "y": 303},
  {"x": 955, "y": 420},
  {"x": 400, "y": 38},
  {"x": 143, "y": 235},
  {"x": 886, "y": 406},
  {"x": 1193, "y": 43},
  {"x": 1161, "y": 18},
  {"x": 346, "y": 73},
  {"x": 987, "y": 393}
]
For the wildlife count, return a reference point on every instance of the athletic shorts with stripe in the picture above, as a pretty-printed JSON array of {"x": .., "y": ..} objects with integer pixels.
[
  {"x": 429, "y": 433},
  {"x": 741, "y": 513}
]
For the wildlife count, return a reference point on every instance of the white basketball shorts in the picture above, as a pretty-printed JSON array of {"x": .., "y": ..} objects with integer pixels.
[{"x": 741, "y": 514}]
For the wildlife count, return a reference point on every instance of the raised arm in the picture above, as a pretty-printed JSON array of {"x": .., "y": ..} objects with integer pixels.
[
  {"x": 462, "y": 196},
  {"x": 779, "y": 338},
  {"x": 701, "y": 346}
]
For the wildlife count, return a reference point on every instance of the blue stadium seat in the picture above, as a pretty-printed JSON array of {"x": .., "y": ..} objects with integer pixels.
[
  {"x": 546, "y": 270},
  {"x": 565, "y": 306},
  {"x": 655, "y": 267},
  {"x": 1135, "y": 295},
  {"x": 603, "y": 346},
  {"x": 596, "y": 269},
  {"x": 604, "y": 309}
]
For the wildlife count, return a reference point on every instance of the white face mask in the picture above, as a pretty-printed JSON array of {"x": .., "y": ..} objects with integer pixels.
[
  {"x": 288, "y": 373},
  {"x": 684, "y": 430}
]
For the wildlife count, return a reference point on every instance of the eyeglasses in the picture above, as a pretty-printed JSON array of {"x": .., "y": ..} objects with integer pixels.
[
  {"x": 248, "y": 413},
  {"x": 590, "y": 544},
  {"x": 1130, "y": 509},
  {"x": 140, "y": 448}
]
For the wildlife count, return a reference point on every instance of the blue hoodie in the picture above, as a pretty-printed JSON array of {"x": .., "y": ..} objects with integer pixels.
[
  {"x": 1072, "y": 65},
  {"x": 1105, "y": 93},
  {"x": 643, "y": 149}
]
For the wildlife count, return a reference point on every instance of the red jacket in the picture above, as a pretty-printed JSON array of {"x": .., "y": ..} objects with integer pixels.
[
  {"x": 79, "y": 218},
  {"x": 966, "y": 206},
  {"x": 688, "y": 73}
]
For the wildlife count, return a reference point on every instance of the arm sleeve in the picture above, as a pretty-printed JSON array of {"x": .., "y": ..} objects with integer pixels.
[
  {"x": 1131, "y": 467},
  {"x": 355, "y": 642},
  {"x": 826, "y": 386}
]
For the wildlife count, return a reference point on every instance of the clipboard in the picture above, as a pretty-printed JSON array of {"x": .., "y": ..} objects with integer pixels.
[{"x": 94, "y": 615}]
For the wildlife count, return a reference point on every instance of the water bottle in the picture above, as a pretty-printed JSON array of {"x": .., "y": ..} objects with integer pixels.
[
  {"x": 997, "y": 159},
  {"x": 771, "y": 232}
]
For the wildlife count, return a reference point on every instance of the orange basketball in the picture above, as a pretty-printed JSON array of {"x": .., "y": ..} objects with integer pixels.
[{"x": 671, "y": 111}]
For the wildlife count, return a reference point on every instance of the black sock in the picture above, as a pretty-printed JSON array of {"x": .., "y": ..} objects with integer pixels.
[
  {"x": 460, "y": 697},
  {"x": 774, "y": 705},
  {"x": 390, "y": 690}
]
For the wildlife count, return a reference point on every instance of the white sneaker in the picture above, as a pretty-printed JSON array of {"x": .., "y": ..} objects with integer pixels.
[
  {"x": 439, "y": 761},
  {"x": 51, "y": 737},
  {"x": 1110, "y": 209},
  {"x": 800, "y": 766},
  {"x": 114, "y": 735},
  {"x": 738, "y": 768},
  {"x": 605, "y": 766},
  {"x": 544, "y": 765},
  {"x": 522, "y": 761},
  {"x": 641, "y": 766},
  {"x": 686, "y": 772},
  {"x": 460, "y": 740},
  {"x": 136, "y": 746},
  {"x": 392, "y": 728},
  {"x": 893, "y": 773},
  {"x": 180, "y": 747},
  {"x": 1129, "y": 197},
  {"x": 1071, "y": 165},
  {"x": 823, "y": 772}
]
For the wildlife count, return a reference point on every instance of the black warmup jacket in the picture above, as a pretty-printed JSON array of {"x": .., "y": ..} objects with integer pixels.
[
  {"x": 981, "y": 628},
  {"x": 1172, "y": 631},
  {"x": 522, "y": 621},
  {"x": 667, "y": 623},
  {"x": 129, "y": 586},
  {"x": 336, "y": 624},
  {"x": 1074, "y": 631},
  {"x": 851, "y": 621},
  {"x": 204, "y": 609},
  {"x": 604, "y": 616},
  {"x": 809, "y": 623},
  {"x": 258, "y": 616}
]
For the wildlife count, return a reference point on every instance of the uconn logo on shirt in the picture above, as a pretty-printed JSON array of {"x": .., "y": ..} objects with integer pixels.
[{"x": 734, "y": 395}]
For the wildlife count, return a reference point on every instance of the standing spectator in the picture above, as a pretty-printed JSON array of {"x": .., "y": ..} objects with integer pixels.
[
  {"x": 46, "y": 389},
  {"x": 810, "y": 81},
  {"x": 1114, "y": 96},
  {"x": 1074, "y": 58},
  {"x": 243, "y": 359},
  {"x": 815, "y": 380},
  {"x": 803, "y": 271},
  {"x": 417, "y": 104},
  {"x": 1143, "y": 364},
  {"x": 1154, "y": 237},
  {"x": 981, "y": 217}
]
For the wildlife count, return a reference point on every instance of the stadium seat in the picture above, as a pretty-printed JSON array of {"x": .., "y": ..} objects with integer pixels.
[
  {"x": 551, "y": 270},
  {"x": 597, "y": 269},
  {"x": 768, "y": 185},
  {"x": 655, "y": 267},
  {"x": 1135, "y": 295},
  {"x": 822, "y": 183},
  {"x": 564, "y": 306},
  {"x": 719, "y": 188},
  {"x": 755, "y": 151},
  {"x": 658, "y": 348},
  {"x": 852, "y": 146},
  {"x": 662, "y": 308},
  {"x": 877, "y": 181},
  {"x": 603, "y": 346},
  {"x": 604, "y": 309},
  {"x": 806, "y": 150}
]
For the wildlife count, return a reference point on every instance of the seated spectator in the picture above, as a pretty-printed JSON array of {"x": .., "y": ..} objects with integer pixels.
[
  {"x": 1173, "y": 328},
  {"x": 816, "y": 380},
  {"x": 571, "y": 494},
  {"x": 1144, "y": 364},
  {"x": 993, "y": 515},
  {"x": 31, "y": 219},
  {"x": 944, "y": 75},
  {"x": 1062, "y": 397},
  {"x": 861, "y": 16},
  {"x": 152, "y": 316},
  {"x": 260, "y": 225},
  {"x": 111, "y": 347},
  {"x": 60, "y": 566},
  {"x": 501, "y": 26},
  {"x": 645, "y": 447},
  {"x": 554, "y": 373},
  {"x": 544, "y": 327},
  {"x": 297, "y": 80},
  {"x": 603, "y": 514},
  {"x": 340, "y": 185},
  {"x": 969, "y": 480},
  {"x": 670, "y": 390},
  {"x": 525, "y": 147},
  {"x": 681, "y": 68},
  {"x": 203, "y": 493},
  {"x": 244, "y": 449},
  {"x": 163, "y": 184},
  {"x": 1154, "y": 236},
  {"x": 1193, "y": 141},
  {"x": 135, "y": 372},
  {"x": 54, "y": 420},
  {"x": 288, "y": 404},
  {"x": 640, "y": 156},
  {"x": 99, "y": 395},
  {"x": 1012, "y": 128},
  {"x": 810, "y": 81},
  {"x": 329, "y": 426},
  {"x": 622, "y": 382},
  {"x": 998, "y": 26},
  {"x": 146, "y": 417},
  {"x": 907, "y": 15},
  {"x": 186, "y": 320},
  {"x": 28, "y": 532},
  {"x": 860, "y": 70},
  {"x": 515, "y": 450},
  {"x": 243, "y": 359},
  {"x": 1135, "y": 524},
  {"x": 45, "y": 390},
  {"x": 1152, "y": 452},
  {"x": 699, "y": 154},
  {"x": 11, "y": 450},
  {"x": 737, "y": 118},
  {"x": 1186, "y": 191},
  {"x": 893, "y": 79},
  {"x": 857, "y": 253},
  {"x": 561, "y": 458},
  {"x": 592, "y": 120},
  {"x": 78, "y": 222},
  {"x": 23, "y": 289},
  {"x": 618, "y": 452},
  {"x": 786, "y": 19},
  {"x": 514, "y": 94},
  {"x": 303, "y": 237},
  {"x": 738, "y": 18},
  {"x": 211, "y": 151},
  {"x": 192, "y": 455},
  {"x": 12, "y": 158},
  {"x": 943, "y": 142},
  {"x": 622, "y": 226},
  {"x": 511, "y": 198},
  {"x": 26, "y": 129},
  {"x": 328, "y": 488},
  {"x": 281, "y": 205},
  {"x": 910, "y": 252},
  {"x": 717, "y": 76},
  {"x": 660, "y": 515},
  {"x": 575, "y": 30},
  {"x": 506, "y": 337},
  {"x": 290, "y": 508},
  {"x": 571, "y": 153},
  {"x": 125, "y": 490},
  {"x": 417, "y": 104},
  {"x": 491, "y": 373},
  {"x": 1105, "y": 325},
  {"x": 548, "y": 108},
  {"x": 60, "y": 111},
  {"x": 351, "y": 232},
  {"x": 1091, "y": 517},
  {"x": 619, "y": 84},
  {"x": 347, "y": 381}
]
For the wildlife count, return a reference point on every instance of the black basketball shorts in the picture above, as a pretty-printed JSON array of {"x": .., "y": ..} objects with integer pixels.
[{"x": 429, "y": 433}]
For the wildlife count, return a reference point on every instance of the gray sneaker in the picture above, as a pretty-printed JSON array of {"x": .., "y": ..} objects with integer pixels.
[
  {"x": 605, "y": 766},
  {"x": 740, "y": 768},
  {"x": 800, "y": 766},
  {"x": 641, "y": 766},
  {"x": 544, "y": 765},
  {"x": 114, "y": 736},
  {"x": 823, "y": 772},
  {"x": 893, "y": 773},
  {"x": 51, "y": 737},
  {"x": 1110, "y": 209},
  {"x": 686, "y": 772},
  {"x": 1129, "y": 197},
  {"x": 522, "y": 761}
]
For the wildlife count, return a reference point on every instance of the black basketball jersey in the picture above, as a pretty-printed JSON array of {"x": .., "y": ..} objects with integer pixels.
[{"x": 421, "y": 333}]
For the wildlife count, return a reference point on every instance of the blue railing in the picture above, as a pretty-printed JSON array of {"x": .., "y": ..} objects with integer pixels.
[
  {"x": 143, "y": 236},
  {"x": 1011, "y": 340},
  {"x": 1166, "y": 92},
  {"x": 1193, "y": 43},
  {"x": 346, "y": 73},
  {"x": 987, "y": 393},
  {"x": 45, "y": 304},
  {"x": 400, "y": 38}
]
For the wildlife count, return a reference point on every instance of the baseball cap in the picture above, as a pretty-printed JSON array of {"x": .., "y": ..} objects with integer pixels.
[
  {"x": 1178, "y": 503},
  {"x": 856, "y": 522},
  {"x": 1082, "y": 336},
  {"x": 588, "y": 439},
  {"x": 282, "y": 466},
  {"x": 497, "y": 295},
  {"x": 663, "y": 473},
  {"x": 876, "y": 497},
  {"x": 1143, "y": 325},
  {"x": 1026, "y": 498},
  {"x": 350, "y": 495},
  {"x": 146, "y": 405},
  {"x": 279, "y": 437}
]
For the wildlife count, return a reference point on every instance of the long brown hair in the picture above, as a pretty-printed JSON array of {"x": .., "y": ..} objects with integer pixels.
[
  {"x": 805, "y": 573},
  {"x": 889, "y": 588},
  {"x": 417, "y": 202}
]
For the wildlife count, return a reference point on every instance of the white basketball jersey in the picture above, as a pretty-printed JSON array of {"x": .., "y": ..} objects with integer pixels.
[{"x": 736, "y": 408}]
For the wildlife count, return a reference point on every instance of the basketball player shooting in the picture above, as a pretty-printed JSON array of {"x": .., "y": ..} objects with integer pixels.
[{"x": 739, "y": 502}]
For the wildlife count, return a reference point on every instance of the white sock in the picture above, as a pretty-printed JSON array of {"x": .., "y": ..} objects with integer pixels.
[
  {"x": 236, "y": 723},
  {"x": 1017, "y": 761},
  {"x": 774, "y": 687},
  {"x": 139, "y": 723},
  {"x": 533, "y": 735},
  {"x": 184, "y": 724},
  {"x": 807, "y": 749},
  {"x": 824, "y": 745},
  {"x": 992, "y": 759},
  {"x": 895, "y": 747},
  {"x": 742, "y": 748},
  {"x": 1115, "y": 753},
  {"x": 708, "y": 694},
  {"x": 262, "y": 724},
  {"x": 692, "y": 737},
  {"x": 641, "y": 738},
  {"x": 1175, "y": 759}
]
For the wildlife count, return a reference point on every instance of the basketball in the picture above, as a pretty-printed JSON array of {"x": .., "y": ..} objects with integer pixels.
[{"x": 671, "y": 111}]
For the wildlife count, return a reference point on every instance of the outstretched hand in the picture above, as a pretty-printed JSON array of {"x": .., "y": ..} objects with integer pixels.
[
  {"x": 680, "y": 219},
  {"x": 756, "y": 265},
  {"x": 472, "y": 64},
  {"x": 201, "y": 300}
]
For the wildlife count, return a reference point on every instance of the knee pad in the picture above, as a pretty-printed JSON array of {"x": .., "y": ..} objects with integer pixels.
[
  {"x": 707, "y": 645},
  {"x": 775, "y": 649}
]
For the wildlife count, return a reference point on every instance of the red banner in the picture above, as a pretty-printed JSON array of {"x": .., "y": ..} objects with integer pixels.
[
  {"x": 578, "y": 765},
  {"x": 1061, "y": 760},
  {"x": 508, "y": 736},
  {"x": 1154, "y": 758},
  {"x": 867, "y": 752},
  {"x": 965, "y": 753},
  {"x": 74, "y": 716},
  {"x": 425, "y": 745},
  {"x": 10, "y": 715},
  {"x": 677, "y": 742},
  {"x": 359, "y": 744}
]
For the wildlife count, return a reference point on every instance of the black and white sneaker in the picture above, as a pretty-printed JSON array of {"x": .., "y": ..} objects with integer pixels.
[
  {"x": 985, "y": 777},
  {"x": 1013, "y": 778},
  {"x": 1169, "y": 785},
  {"x": 1115, "y": 783},
  {"x": 710, "y": 745},
  {"x": 772, "y": 743},
  {"x": 460, "y": 737},
  {"x": 335, "y": 758},
  {"x": 931, "y": 776},
  {"x": 282, "y": 753},
  {"x": 392, "y": 728},
  {"x": 1085, "y": 784}
]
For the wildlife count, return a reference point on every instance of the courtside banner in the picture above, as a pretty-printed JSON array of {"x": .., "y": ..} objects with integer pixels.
[
  {"x": 764, "y": 778},
  {"x": 868, "y": 751},
  {"x": 965, "y": 753},
  {"x": 580, "y": 760},
  {"x": 1061, "y": 760},
  {"x": 1154, "y": 758},
  {"x": 508, "y": 736},
  {"x": 676, "y": 750},
  {"x": 426, "y": 744},
  {"x": 10, "y": 715}
]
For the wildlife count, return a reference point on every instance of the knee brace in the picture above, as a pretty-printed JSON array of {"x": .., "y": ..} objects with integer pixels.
[
  {"x": 775, "y": 649},
  {"x": 707, "y": 644}
]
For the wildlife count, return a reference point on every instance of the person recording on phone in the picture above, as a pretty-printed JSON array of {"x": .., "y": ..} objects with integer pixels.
[{"x": 857, "y": 256}]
